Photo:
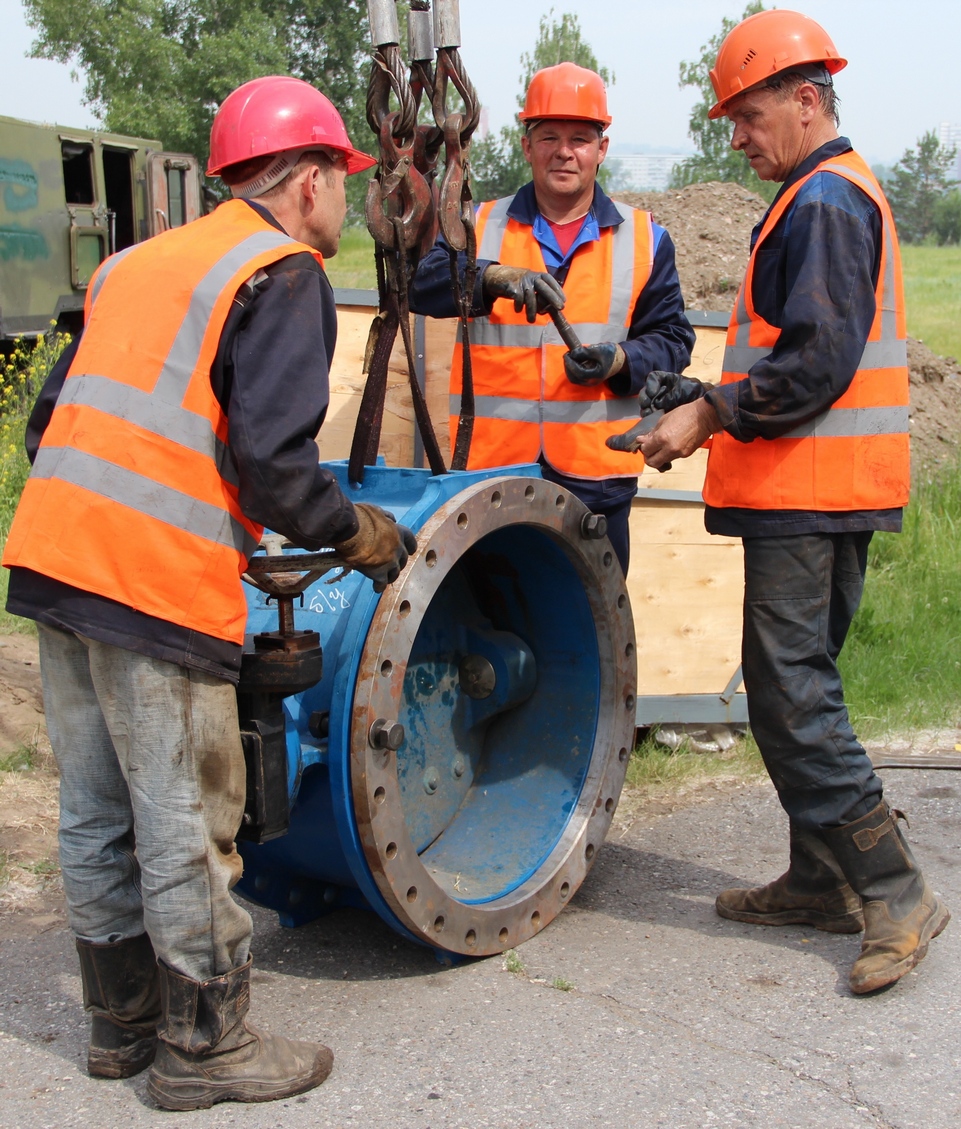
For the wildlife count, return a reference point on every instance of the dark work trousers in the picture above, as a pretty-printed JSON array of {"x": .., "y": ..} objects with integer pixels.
[
  {"x": 800, "y": 595},
  {"x": 611, "y": 497}
]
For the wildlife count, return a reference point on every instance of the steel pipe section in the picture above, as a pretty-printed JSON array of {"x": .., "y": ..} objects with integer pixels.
[{"x": 458, "y": 765}]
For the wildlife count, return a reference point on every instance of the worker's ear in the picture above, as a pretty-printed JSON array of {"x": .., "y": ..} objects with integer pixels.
[
  {"x": 526, "y": 147},
  {"x": 602, "y": 152}
]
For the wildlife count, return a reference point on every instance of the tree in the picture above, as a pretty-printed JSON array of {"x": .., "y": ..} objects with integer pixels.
[
  {"x": 918, "y": 184},
  {"x": 947, "y": 218},
  {"x": 497, "y": 162},
  {"x": 160, "y": 68},
  {"x": 715, "y": 159}
]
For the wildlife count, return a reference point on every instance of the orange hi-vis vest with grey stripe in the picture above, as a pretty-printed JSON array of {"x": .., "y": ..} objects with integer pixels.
[
  {"x": 523, "y": 403},
  {"x": 133, "y": 493},
  {"x": 854, "y": 456}
]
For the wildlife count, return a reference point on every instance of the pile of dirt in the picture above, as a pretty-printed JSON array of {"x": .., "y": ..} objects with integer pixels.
[{"x": 711, "y": 227}]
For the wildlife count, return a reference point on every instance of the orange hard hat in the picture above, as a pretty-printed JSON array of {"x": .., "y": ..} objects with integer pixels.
[
  {"x": 566, "y": 91},
  {"x": 764, "y": 45}
]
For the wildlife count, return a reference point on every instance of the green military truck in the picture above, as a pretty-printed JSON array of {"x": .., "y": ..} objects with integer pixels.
[{"x": 69, "y": 198}]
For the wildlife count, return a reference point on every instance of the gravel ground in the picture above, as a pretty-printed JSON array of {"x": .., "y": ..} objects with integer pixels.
[{"x": 671, "y": 1017}]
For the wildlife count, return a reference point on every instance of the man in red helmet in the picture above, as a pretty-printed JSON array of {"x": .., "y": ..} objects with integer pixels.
[
  {"x": 173, "y": 429},
  {"x": 561, "y": 242},
  {"x": 809, "y": 458}
]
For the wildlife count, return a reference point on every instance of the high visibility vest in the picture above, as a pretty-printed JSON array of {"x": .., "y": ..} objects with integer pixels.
[
  {"x": 854, "y": 456},
  {"x": 133, "y": 494},
  {"x": 523, "y": 403}
]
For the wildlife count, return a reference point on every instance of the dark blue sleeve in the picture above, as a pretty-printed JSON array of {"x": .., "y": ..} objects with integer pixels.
[
  {"x": 660, "y": 336},
  {"x": 47, "y": 399},
  {"x": 821, "y": 270},
  {"x": 276, "y": 377},
  {"x": 431, "y": 293}
]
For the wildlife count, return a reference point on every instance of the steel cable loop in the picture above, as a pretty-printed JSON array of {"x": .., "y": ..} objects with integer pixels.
[{"x": 388, "y": 76}]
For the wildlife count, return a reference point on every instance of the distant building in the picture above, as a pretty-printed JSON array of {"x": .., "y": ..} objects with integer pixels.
[
  {"x": 950, "y": 135},
  {"x": 643, "y": 172}
]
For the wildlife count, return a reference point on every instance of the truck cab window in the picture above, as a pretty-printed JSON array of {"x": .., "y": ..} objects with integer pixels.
[
  {"x": 176, "y": 212},
  {"x": 77, "y": 172},
  {"x": 118, "y": 182}
]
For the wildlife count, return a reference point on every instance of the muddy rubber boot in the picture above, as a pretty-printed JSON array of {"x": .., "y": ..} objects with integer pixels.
[
  {"x": 121, "y": 988},
  {"x": 901, "y": 911},
  {"x": 209, "y": 1053},
  {"x": 813, "y": 891}
]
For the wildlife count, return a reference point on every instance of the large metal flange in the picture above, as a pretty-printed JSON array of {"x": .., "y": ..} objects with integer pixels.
[{"x": 428, "y": 902}]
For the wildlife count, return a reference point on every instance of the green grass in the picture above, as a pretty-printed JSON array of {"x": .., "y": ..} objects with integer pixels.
[
  {"x": 655, "y": 767},
  {"x": 563, "y": 985},
  {"x": 932, "y": 287},
  {"x": 512, "y": 962},
  {"x": 902, "y": 662},
  {"x": 353, "y": 265}
]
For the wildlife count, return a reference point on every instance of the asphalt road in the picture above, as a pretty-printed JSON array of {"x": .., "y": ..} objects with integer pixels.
[{"x": 675, "y": 1018}]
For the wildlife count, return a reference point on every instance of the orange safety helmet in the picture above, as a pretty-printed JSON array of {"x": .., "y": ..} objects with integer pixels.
[
  {"x": 765, "y": 44},
  {"x": 566, "y": 91},
  {"x": 278, "y": 114}
]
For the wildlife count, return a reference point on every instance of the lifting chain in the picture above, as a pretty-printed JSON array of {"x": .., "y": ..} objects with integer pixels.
[{"x": 404, "y": 204}]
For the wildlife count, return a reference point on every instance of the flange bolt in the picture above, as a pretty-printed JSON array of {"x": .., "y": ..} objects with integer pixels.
[
  {"x": 593, "y": 527},
  {"x": 386, "y": 734}
]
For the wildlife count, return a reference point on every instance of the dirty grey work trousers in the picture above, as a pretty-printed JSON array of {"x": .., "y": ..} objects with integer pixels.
[
  {"x": 800, "y": 595},
  {"x": 152, "y": 785}
]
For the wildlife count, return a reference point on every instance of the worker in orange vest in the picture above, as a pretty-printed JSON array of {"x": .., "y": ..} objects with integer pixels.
[
  {"x": 560, "y": 241},
  {"x": 177, "y": 426},
  {"x": 809, "y": 458}
]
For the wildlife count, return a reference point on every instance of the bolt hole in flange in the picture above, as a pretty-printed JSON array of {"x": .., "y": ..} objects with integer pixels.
[{"x": 513, "y": 673}]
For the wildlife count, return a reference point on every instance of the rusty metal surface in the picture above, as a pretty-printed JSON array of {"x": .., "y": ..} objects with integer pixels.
[{"x": 430, "y": 902}]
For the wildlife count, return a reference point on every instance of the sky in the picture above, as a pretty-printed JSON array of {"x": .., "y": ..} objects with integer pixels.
[{"x": 902, "y": 78}]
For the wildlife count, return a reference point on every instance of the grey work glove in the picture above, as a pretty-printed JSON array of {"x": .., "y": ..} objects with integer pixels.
[
  {"x": 664, "y": 391},
  {"x": 380, "y": 547},
  {"x": 591, "y": 364},
  {"x": 528, "y": 289}
]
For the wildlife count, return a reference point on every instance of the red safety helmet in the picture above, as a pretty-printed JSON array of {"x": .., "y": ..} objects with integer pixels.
[
  {"x": 566, "y": 91},
  {"x": 278, "y": 114},
  {"x": 765, "y": 44}
]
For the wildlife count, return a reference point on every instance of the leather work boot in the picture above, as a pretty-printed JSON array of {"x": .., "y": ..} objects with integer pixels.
[
  {"x": 121, "y": 988},
  {"x": 901, "y": 911},
  {"x": 813, "y": 891},
  {"x": 209, "y": 1053}
]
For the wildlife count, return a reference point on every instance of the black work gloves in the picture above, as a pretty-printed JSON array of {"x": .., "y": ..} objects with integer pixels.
[
  {"x": 590, "y": 364},
  {"x": 528, "y": 289},
  {"x": 380, "y": 547},
  {"x": 664, "y": 391}
]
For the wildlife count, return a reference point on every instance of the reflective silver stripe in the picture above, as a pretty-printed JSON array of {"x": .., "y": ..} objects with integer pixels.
[
  {"x": 105, "y": 268},
  {"x": 848, "y": 422},
  {"x": 144, "y": 495},
  {"x": 494, "y": 228},
  {"x": 552, "y": 411},
  {"x": 622, "y": 269},
  {"x": 877, "y": 354},
  {"x": 485, "y": 332},
  {"x": 146, "y": 411},
  {"x": 185, "y": 351}
]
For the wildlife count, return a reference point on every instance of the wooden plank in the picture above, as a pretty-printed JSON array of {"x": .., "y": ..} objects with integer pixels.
[{"x": 686, "y": 589}]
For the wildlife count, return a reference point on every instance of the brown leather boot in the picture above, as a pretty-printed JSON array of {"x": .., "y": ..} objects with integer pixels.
[
  {"x": 901, "y": 911},
  {"x": 121, "y": 988},
  {"x": 209, "y": 1053},
  {"x": 813, "y": 891}
]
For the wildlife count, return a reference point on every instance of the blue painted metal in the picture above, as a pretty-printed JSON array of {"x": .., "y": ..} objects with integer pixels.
[{"x": 486, "y": 785}]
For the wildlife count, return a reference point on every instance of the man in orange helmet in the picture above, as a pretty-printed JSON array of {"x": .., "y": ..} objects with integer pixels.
[
  {"x": 561, "y": 242},
  {"x": 178, "y": 425},
  {"x": 809, "y": 458}
]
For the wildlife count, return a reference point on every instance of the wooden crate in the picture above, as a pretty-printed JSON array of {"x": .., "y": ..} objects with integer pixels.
[{"x": 686, "y": 586}]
